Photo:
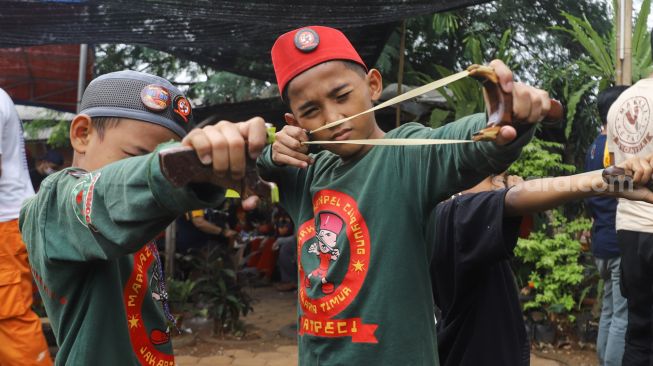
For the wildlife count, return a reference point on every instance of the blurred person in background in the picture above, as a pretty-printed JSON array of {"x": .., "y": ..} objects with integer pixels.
[
  {"x": 45, "y": 165},
  {"x": 21, "y": 338},
  {"x": 286, "y": 244}
]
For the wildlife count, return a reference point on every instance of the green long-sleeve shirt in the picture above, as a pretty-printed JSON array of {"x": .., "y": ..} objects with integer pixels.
[
  {"x": 90, "y": 236},
  {"x": 365, "y": 292}
]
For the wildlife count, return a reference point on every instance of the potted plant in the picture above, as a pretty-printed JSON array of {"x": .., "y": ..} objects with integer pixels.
[
  {"x": 220, "y": 292},
  {"x": 179, "y": 296}
]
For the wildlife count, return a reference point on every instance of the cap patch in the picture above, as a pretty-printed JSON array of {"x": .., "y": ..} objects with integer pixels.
[
  {"x": 306, "y": 40},
  {"x": 182, "y": 108},
  {"x": 155, "y": 97}
]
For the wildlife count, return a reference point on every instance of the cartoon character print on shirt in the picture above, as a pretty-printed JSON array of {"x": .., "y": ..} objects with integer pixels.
[
  {"x": 631, "y": 127},
  {"x": 159, "y": 294},
  {"x": 326, "y": 249},
  {"x": 334, "y": 252}
]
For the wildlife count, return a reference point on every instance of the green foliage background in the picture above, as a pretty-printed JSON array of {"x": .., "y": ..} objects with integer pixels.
[{"x": 59, "y": 134}]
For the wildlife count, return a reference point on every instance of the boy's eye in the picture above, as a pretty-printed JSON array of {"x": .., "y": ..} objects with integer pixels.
[
  {"x": 342, "y": 97},
  {"x": 309, "y": 112}
]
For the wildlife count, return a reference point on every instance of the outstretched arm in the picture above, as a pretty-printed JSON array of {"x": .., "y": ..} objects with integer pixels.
[
  {"x": 544, "y": 194},
  {"x": 206, "y": 226}
]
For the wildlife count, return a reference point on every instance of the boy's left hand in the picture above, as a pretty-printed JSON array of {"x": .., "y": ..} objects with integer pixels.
[{"x": 529, "y": 104}]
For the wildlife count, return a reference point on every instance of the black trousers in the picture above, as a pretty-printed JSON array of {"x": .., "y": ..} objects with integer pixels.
[{"x": 637, "y": 286}]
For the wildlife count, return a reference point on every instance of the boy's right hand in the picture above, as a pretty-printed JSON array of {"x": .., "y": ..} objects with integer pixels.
[
  {"x": 641, "y": 169},
  {"x": 287, "y": 148},
  {"x": 227, "y": 146}
]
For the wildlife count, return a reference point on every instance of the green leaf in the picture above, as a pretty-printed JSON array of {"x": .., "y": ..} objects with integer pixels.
[
  {"x": 229, "y": 272},
  {"x": 572, "y": 103},
  {"x": 445, "y": 23},
  {"x": 233, "y": 299},
  {"x": 503, "y": 49},
  {"x": 595, "y": 46},
  {"x": 640, "y": 31},
  {"x": 438, "y": 116},
  {"x": 473, "y": 49},
  {"x": 464, "y": 96},
  {"x": 641, "y": 44}
]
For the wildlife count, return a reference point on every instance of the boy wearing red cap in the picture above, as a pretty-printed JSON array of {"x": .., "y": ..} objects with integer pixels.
[{"x": 380, "y": 308}]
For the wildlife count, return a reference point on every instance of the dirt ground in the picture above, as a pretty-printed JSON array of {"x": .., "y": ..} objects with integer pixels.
[
  {"x": 572, "y": 356},
  {"x": 269, "y": 327}
]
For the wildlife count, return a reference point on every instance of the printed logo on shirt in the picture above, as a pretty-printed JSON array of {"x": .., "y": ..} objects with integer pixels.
[
  {"x": 82, "y": 198},
  {"x": 334, "y": 252},
  {"x": 631, "y": 128},
  {"x": 143, "y": 343}
]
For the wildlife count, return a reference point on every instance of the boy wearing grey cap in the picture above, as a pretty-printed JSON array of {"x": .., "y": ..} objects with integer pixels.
[{"x": 90, "y": 232}]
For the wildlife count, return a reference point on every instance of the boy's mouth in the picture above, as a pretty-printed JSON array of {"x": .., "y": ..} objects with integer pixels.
[{"x": 342, "y": 134}]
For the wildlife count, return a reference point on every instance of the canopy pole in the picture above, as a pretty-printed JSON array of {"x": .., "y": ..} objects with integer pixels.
[
  {"x": 81, "y": 76},
  {"x": 624, "y": 43},
  {"x": 400, "y": 73}
]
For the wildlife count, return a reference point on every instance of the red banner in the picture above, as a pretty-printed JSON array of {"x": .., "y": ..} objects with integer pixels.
[{"x": 333, "y": 328}]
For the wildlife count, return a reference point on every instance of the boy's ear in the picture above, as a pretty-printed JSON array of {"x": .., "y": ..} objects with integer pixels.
[
  {"x": 80, "y": 129},
  {"x": 290, "y": 119},
  {"x": 375, "y": 82}
]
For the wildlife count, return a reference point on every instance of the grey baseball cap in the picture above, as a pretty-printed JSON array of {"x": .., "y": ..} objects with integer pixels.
[{"x": 140, "y": 96}]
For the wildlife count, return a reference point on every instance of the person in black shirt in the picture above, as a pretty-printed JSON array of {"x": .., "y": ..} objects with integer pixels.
[
  {"x": 611, "y": 338},
  {"x": 198, "y": 228},
  {"x": 474, "y": 234}
]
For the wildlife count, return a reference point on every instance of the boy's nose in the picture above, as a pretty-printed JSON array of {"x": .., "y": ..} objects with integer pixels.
[{"x": 332, "y": 116}]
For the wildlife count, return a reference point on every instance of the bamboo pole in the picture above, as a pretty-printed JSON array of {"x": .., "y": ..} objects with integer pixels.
[
  {"x": 624, "y": 13},
  {"x": 628, "y": 47}
]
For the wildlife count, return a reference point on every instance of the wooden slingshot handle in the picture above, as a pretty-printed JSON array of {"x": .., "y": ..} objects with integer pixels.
[
  {"x": 500, "y": 104},
  {"x": 180, "y": 165},
  {"x": 620, "y": 179}
]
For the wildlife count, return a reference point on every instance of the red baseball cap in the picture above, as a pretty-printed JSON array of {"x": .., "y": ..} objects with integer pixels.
[{"x": 300, "y": 49}]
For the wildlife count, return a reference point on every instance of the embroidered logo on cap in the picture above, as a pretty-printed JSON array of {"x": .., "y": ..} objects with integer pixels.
[
  {"x": 182, "y": 109},
  {"x": 155, "y": 97},
  {"x": 306, "y": 40}
]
